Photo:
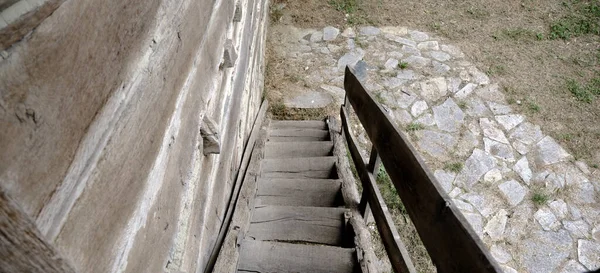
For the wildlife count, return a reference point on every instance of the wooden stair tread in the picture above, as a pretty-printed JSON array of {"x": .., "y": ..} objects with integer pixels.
[
  {"x": 299, "y": 192},
  {"x": 307, "y": 167},
  {"x": 299, "y": 134},
  {"x": 310, "y": 124},
  {"x": 297, "y": 224},
  {"x": 298, "y": 149},
  {"x": 260, "y": 256}
]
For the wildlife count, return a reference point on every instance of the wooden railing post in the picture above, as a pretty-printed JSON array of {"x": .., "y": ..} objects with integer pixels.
[{"x": 373, "y": 168}]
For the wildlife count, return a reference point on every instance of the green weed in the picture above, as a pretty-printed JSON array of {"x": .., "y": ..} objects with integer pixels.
[
  {"x": 403, "y": 65},
  {"x": 540, "y": 199},
  {"x": 388, "y": 191},
  {"x": 533, "y": 107},
  {"x": 413, "y": 126},
  {"x": 583, "y": 18},
  {"x": 454, "y": 167}
]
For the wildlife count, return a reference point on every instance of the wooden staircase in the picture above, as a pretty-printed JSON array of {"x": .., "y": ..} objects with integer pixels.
[{"x": 299, "y": 223}]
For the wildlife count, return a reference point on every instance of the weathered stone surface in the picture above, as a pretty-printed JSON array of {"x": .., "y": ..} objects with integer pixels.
[
  {"x": 491, "y": 130},
  {"x": 405, "y": 98},
  {"x": 589, "y": 254},
  {"x": 392, "y": 83},
  {"x": 349, "y": 59},
  {"x": 369, "y": 31},
  {"x": 485, "y": 204},
  {"x": 418, "y": 36},
  {"x": 349, "y": 33},
  {"x": 440, "y": 68},
  {"x": 406, "y": 74},
  {"x": 508, "y": 269},
  {"x": 573, "y": 266},
  {"x": 330, "y": 33},
  {"x": 500, "y": 254},
  {"x": 448, "y": 116},
  {"x": 403, "y": 117},
  {"x": 523, "y": 170},
  {"x": 426, "y": 119},
  {"x": 316, "y": 37},
  {"x": 559, "y": 207},
  {"x": 454, "y": 51},
  {"x": 434, "y": 89},
  {"x": 583, "y": 167},
  {"x": 310, "y": 99},
  {"x": 476, "y": 166},
  {"x": 492, "y": 176},
  {"x": 410, "y": 48},
  {"x": 495, "y": 227},
  {"x": 475, "y": 221},
  {"x": 466, "y": 144},
  {"x": 476, "y": 108},
  {"x": 549, "y": 152},
  {"x": 546, "y": 219},
  {"x": 429, "y": 45},
  {"x": 435, "y": 143},
  {"x": 478, "y": 76},
  {"x": 583, "y": 193},
  {"x": 455, "y": 192},
  {"x": 418, "y": 108},
  {"x": 417, "y": 61},
  {"x": 462, "y": 205},
  {"x": 510, "y": 121},
  {"x": 499, "y": 109},
  {"x": 335, "y": 91},
  {"x": 525, "y": 135},
  {"x": 466, "y": 91},
  {"x": 445, "y": 179},
  {"x": 391, "y": 64},
  {"x": 513, "y": 191},
  {"x": 545, "y": 251},
  {"x": 596, "y": 233},
  {"x": 440, "y": 56},
  {"x": 497, "y": 149}
]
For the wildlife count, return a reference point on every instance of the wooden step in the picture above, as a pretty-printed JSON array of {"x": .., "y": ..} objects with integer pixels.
[
  {"x": 298, "y": 149},
  {"x": 297, "y": 224},
  {"x": 299, "y": 192},
  {"x": 295, "y": 135},
  {"x": 259, "y": 256},
  {"x": 306, "y": 167},
  {"x": 306, "y": 124}
]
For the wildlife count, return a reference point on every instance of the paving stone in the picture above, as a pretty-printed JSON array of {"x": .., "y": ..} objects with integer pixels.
[
  {"x": 545, "y": 251},
  {"x": 495, "y": 226},
  {"x": 403, "y": 117},
  {"x": 583, "y": 193},
  {"x": 399, "y": 31},
  {"x": 583, "y": 167},
  {"x": 427, "y": 120},
  {"x": 454, "y": 51},
  {"x": 499, "y": 109},
  {"x": 448, "y": 116},
  {"x": 596, "y": 233},
  {"x": 324, "y": 50},
  {"x": 440, "y": 68},
  {"x": 523, "y": 170},
  {"x": 316, "y": 37},
  {"x": 369, "y": 31},
  {"x": 409, "y": 48},
  {"x": 445, "y": 179},
  {"x": 391, "y": 64},
  {"x": 513, "y": 191},
  {"x": 573, "y": 266},
  {"x": 440, "y": 56},
  {"x": 349, "y": 33},
  {"x": 510, "y": 121},
  {"x": 466, "y": 144},
  {"x": 392, "y": 83},
  {"x": 478, "y": 76},
  {"x": 418, "y": 36},
  {"x": 462, "y": 205},
  {"x": 435, "y": 143},
  {"x": 559, "y": 207},
  {"x": 525, "y": 135},
  {"x": 546, "y": 219},
  {"x": 360, "y": 71},
  {"x": 474, "y": 128},
  {"x": 475, "y": 167},
  {"x": 574, "y": 176},
  {"x": 492, "y": 131},
  {"x": 500, "y": 254},
  {"x": 492, "y": 176},
  {"x": 310, "y": 99},
  {"x": 483, "y": 204},
  {"x": 455, "y": 192},
  {"x": 429, "y": 45},
  {"x": 349, "y": 59},
  {"x": 520, "y": 224},
  {"x": 335, "y": 91},
  {"x": 589, "y": 254},
  {"x": 499, "y": 150},
  {"x": 405, "y": 98},
  {"x": 406, "y": 74},
  {"x": 475, "y": 221},
  {"x": 466, "y": 91},
  {"x": 548, "y": 151},
  {"x": 508, "y": 269},
  {"x": 419, "y": 108},
  {"x": 434, "y": 89},
  {"x": 330, "y": 33},
  {"x": 417, "y": 61}
]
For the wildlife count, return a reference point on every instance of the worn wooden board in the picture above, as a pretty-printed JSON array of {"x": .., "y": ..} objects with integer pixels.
[
  {"x": 291, "y": 124},
  {"x": 294, "y": 135},
  {"x": 397, "y": 253},
  {"x": 22, "y": 247},
  {"x": 450, "y": 241},
  {"x": 299, "y": 192},
  {"x": 260, "y": 256},
  {"x": 298, "y": 149},
  {"x": 297, "y": 224},
  {"x": 308, "y": 167}
]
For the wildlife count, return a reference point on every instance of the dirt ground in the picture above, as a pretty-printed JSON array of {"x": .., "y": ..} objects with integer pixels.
[{"x": 508, "y": 39}]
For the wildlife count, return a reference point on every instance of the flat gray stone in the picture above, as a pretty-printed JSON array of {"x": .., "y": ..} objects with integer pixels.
[
  {"x": 523, "y": 170},
  {"x": 417, "y": 61},
  {"x": 349, "y": 33},
  {"x": 454, "y": 51},
  {"x": 418, "y": 36},
  {"x": 546, "y": 219},
  {"x": 481, "y": 203},
  {"x": 426, "y": 119},
  {"x": 465, "y": 91},
  {"x": 349, "y": 59},
  {"x": 525, "y": 135},
  {"x": 560, "y": 209},
  {"x": 316, "y": 37},
  {"x": 410, "y": 49},
  {"x": 360, "y": 71},
  {"x": 589, "y": 254},
  {"x": 476, "y": 108},
  {"x": 405, "y": 98},
  {"x": 475, "y": 221},
  {"x": 492, "y": 176},
  {"x": 395, "y": 54},
  {"x": 445, "y": 179},
  {"x": 440, "y": 68},
  {"x": 499, "y": 150},
  {"x": 435, "y": 143},
  {"x": 513, "y": 191},
  {"x": 369, "y": 31},
  {"x": 510, "y": 121},
  {"x": 402, "y": 41},
  {"x": 583, "y": 193},
  {"x": 495, "y": 226},
  {"x": 448, "y": 116},
  {"x": 478, "y": 77},
  {"x": 462, "y": 205},
  {"x": 546, "y": 251},
  {"x": 429, "y": 45},
  {"x": 406, "y": 74},
  {"x": 440, "y": 56},
  {"x": 475, "y": 167},
  {"x": 499, "y": 109},
  {"x": 573, "y": 266},
  {"x": 403, "y": 117},
  {"x": 419, "y": 108},
  {"x": 548, "y": 151},
  {"x": 596, "y": 233},
  {"x": 330, "y": 33},
  {"x": 492, "y": 131},
  {"x": 310, "y": 99},
  {"x": 500, "y": 254},
  {"x": 391, "y": 64},
  {"x": 578, "y": 228},
  {"x": 466, "y": 144}
]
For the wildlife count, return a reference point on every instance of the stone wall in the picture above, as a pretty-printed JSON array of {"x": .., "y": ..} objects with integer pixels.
[{"x": 100, "y": 113}]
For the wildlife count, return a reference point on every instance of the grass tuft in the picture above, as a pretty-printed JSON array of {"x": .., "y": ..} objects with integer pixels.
[
  {"x": 455, "y": 167},
  {"x": 414, "y": 126},
  {"x": 388, "y": 191},
  {"x": 403, "y": 65},
  {"x": 583, "y": 18},
  {"x": 540, "y": 199}
]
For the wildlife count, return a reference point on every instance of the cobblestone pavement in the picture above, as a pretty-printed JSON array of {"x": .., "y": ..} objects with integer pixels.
[{"x": 533, "y": 205}]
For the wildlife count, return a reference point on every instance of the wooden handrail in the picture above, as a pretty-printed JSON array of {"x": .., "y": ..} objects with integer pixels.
[{"x": 450, "y": 241}]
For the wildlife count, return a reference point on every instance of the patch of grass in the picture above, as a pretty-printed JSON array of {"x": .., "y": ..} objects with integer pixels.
[
  {"x": 583, "y": 18},
  {"x": 380, "y": 98},
  {"x": 496, "y": 70},
  {"x": 414, "y": 126},
  {"x": 276, "y": 13},
  {"x": 595, "y": 166},
  {"x": 360, "y": 43},
  {"x": 533, "y": 107},
  {"x": 584, "y": 92},
  {"x": 346, "y": 6},
  {"x": 540, "y": 199},
  {"x": 517, "y": 34},
  {"x": 280, "y": 111},
  {"x": 455, "y": 167},
  {"x": 388, "y": 191},
  {"x": 462, "y": 105},
  {"x": 566, "y": 137},
  {"x": 403, "y": 65}
]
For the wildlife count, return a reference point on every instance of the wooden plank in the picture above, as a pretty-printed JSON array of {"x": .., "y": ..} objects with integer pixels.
[
  {"x": 449, "y": 239},
  {"x": 307, "y": 124},
  {"x": 22, "y": 246},
  {"x": 308, "y": 167},
  {"x": 396, "y": 250},
  {"x": 259, "y": 256},
  {"x": 298, "y": 149},
  {"x": 289, "y": 135},
  {"x": 299, "y": 192},
  {"x": 297, "y": 224}
]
